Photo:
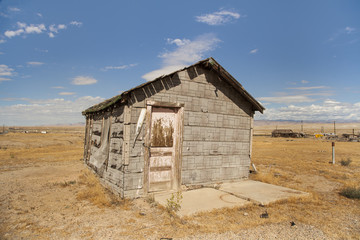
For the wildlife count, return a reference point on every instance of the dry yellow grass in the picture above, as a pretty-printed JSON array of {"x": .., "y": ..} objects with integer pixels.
[
  {"x": 42, "y": 205},
  {"x": 19, "y": 149},
  {"x": 304, "y": 164},
  {"x": 93, "y": 192}
]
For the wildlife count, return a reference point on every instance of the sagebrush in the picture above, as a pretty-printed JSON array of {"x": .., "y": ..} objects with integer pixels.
[{"x": 351, "y": 192}]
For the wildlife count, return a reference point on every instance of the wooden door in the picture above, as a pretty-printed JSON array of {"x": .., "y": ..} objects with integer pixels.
[{"x": 163, "y": 140}]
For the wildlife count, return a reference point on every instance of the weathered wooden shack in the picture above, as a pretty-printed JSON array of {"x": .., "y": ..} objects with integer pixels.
[{"x": 191, "y": 127}]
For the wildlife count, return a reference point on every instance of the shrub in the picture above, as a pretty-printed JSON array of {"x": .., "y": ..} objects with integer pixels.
[
  {"x": 351, "y": 192},
  {"x": 174, "y": 202},
  {"x": 345, "y": 162}
]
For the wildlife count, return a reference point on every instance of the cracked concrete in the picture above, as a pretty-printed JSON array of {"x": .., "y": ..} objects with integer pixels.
[{"x": 234, "y": 194}]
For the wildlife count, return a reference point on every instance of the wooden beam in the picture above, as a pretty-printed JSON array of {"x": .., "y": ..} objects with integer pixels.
[
  {"x": 164, "y": 104},
  {"x": 126, "y": 141},
  {"x": 147, "y": 149},
  {"x": 178, "y": 148}
]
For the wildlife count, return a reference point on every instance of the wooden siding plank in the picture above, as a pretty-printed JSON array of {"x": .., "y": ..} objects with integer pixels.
[{"x": 127, "y": 130}]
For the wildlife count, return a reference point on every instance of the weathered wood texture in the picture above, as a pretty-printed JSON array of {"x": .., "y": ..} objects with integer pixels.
[
  {"x": 216, "y": 129},
  {"x": 112, "y": 173},
  {"x": 215, "y": 135}
]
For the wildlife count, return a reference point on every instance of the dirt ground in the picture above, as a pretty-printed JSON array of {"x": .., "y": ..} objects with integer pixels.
[{"x": 47, "y": 193}]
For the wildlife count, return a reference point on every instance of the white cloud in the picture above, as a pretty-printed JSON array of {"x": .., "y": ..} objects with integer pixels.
[
  {"x": 2, "y": 41},
  {"x": 35, "y": 28},
  {"x": 191, "y": 51},
  {"x": 11, "y": 34},
  {"x": 178, "y": 42},
  {"x": 1, "y": 53},
  {"x": 331, "y": 102},
  {"x": 61, "y": 26},
  {"x": 58, "y": 87},
  {"x": 308, "y": 88},
  {"x": 218, "y": 18},
  {"x": 188, "y": 52},
  {"x": 349, "y": 30},
  {"x": 254, "y": 51},
  {"x": 83, "y": 80},
  {"x": 52, "y": 28},
  {"x": 304, "y": 81},
  {"x": 66, "y": 93},
  {"x": 287, "y": 99},
  {"x": 55, "y": 29},
  {"x": 121, "y": 67},
  {"x": 327, "y": 110},
  {"x": 76, "y": 23},
  {"x": 344, "y": 35},
  {"x": 48, "y": 111},
  {"x": 14, "y": 9},
  {"x": 21, "y": 24},
  {"x": 24, "y": 28},
  {"x": 39, "y": 14},
  {"x": 160, "y": 72},
  {"x": 35, "y": 63},
  {"x": 6, "y": 71}
]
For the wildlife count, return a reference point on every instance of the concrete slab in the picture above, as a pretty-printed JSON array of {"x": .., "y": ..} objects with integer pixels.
[
  {"x": 230, "y": 195},
  {"x": 203, "y": 199},
  {"x": 259, "y": 192}
]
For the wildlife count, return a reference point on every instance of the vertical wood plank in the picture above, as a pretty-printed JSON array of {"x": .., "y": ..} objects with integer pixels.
[
  {"x": 89, "y": 140},
  {"x": 251, "y": 134},
  {"x": 147, "y": 151},
  {"x": 109, "y": 143},
  {"x": 86, "y": 137},
  {"x": 126, "y": 142},
  {"x": 178, "y": 148}
]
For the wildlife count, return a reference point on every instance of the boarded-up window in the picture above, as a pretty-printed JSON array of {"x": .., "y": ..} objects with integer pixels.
[
  {"x": 101, "y": 155},
  {"x": 162, "y": 128}
]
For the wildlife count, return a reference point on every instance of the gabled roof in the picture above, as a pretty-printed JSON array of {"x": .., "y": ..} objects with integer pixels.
[{"x": 208, "y": 63}]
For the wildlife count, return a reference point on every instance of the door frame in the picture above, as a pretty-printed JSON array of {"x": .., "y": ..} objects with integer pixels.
[{"x": 178, "y": 142}]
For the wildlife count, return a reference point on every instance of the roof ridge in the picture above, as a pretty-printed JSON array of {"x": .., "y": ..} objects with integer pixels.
[{"x": 208, "y": 62}]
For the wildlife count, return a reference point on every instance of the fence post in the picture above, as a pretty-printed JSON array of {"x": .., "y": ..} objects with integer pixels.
[{"x": 333, "y": 152}]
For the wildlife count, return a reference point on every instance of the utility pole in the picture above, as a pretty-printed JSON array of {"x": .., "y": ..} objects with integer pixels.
[
  {"x": 334, "y": 128},
  {"x": 302, "y": 128}
]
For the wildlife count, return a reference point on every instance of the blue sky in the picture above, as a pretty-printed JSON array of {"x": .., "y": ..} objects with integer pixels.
[{"x": 300, "y": 59}]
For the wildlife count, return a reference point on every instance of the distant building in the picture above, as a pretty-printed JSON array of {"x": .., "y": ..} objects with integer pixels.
[
  {"x": 191, "y": 127},
  {"x": 287, "y": 133}
]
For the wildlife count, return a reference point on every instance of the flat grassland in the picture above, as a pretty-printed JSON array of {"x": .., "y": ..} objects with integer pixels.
[{"x": 47, "y": 193}]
